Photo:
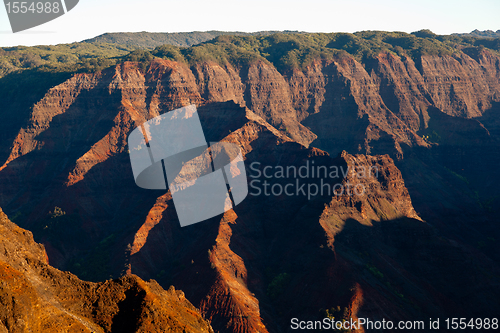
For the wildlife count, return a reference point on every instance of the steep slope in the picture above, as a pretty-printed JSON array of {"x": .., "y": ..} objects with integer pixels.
[
  {"x": 36, "y": 297},
  {"x": 254, "y": 264}
]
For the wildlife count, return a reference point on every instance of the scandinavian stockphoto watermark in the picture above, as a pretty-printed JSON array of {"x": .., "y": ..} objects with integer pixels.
[
  {"x": 24, "y": 15},
  {"x": 308, "y": 180},
  {"x": 170, "y": 152}
]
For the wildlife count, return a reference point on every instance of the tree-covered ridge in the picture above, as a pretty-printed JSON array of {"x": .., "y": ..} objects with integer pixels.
[
  {"x": 62, "y": 57},
  {"x": 284, "y": 50},
  {"x": 287, "y": 51},
  {"x": 99, "y": 52},
  {"x": 150, "y": 40},
  {"x": 484, "y": 33}
]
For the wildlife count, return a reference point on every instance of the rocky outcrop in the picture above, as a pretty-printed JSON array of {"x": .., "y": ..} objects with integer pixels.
[
  {"x": 372, "y": 191},
  {"x": 38, "y": 297}
]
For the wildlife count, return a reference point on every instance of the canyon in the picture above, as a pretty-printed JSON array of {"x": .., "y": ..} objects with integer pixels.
[{"x": 420, "y": 242}]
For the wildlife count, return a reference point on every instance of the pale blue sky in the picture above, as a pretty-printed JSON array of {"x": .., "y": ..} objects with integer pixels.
[{"x": 94, "y": 17}]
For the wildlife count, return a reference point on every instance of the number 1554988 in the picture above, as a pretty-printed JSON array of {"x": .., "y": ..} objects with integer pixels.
[{"x": 32, "y": 7}]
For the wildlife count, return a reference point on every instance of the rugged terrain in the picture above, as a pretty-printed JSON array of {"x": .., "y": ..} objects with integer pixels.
[
  {"x": 419, "y": 242},
  {"x": 36, "y": 297}
]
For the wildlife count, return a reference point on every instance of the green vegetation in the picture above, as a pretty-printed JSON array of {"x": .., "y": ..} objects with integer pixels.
[
  {"x": 432, "y": 137},
  {"x": 142, "y": 57},
  {"x": 289, "y": 51},
  {"x": 489, "y": 241},
  {"x": 489, "y": 204},
  {"x": 161, "y": 274},
  {"x": 375, "y": 271},
  {"x": 285, "y": 51},
  {"x": 169, "y": 52},
  {"x": 150, "y": 40},
  {"x": 94, "y": 266},
  {"x": 278, "y": 285},
  {"x": 462, "y": 178},
  {"x": 378, "y": 274},
  {"x": 60, "y": 58},
  {"x": 485, "y": 33},
  {"x": 58, "y": 224},
  {"x": 16, "y": 217}
]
